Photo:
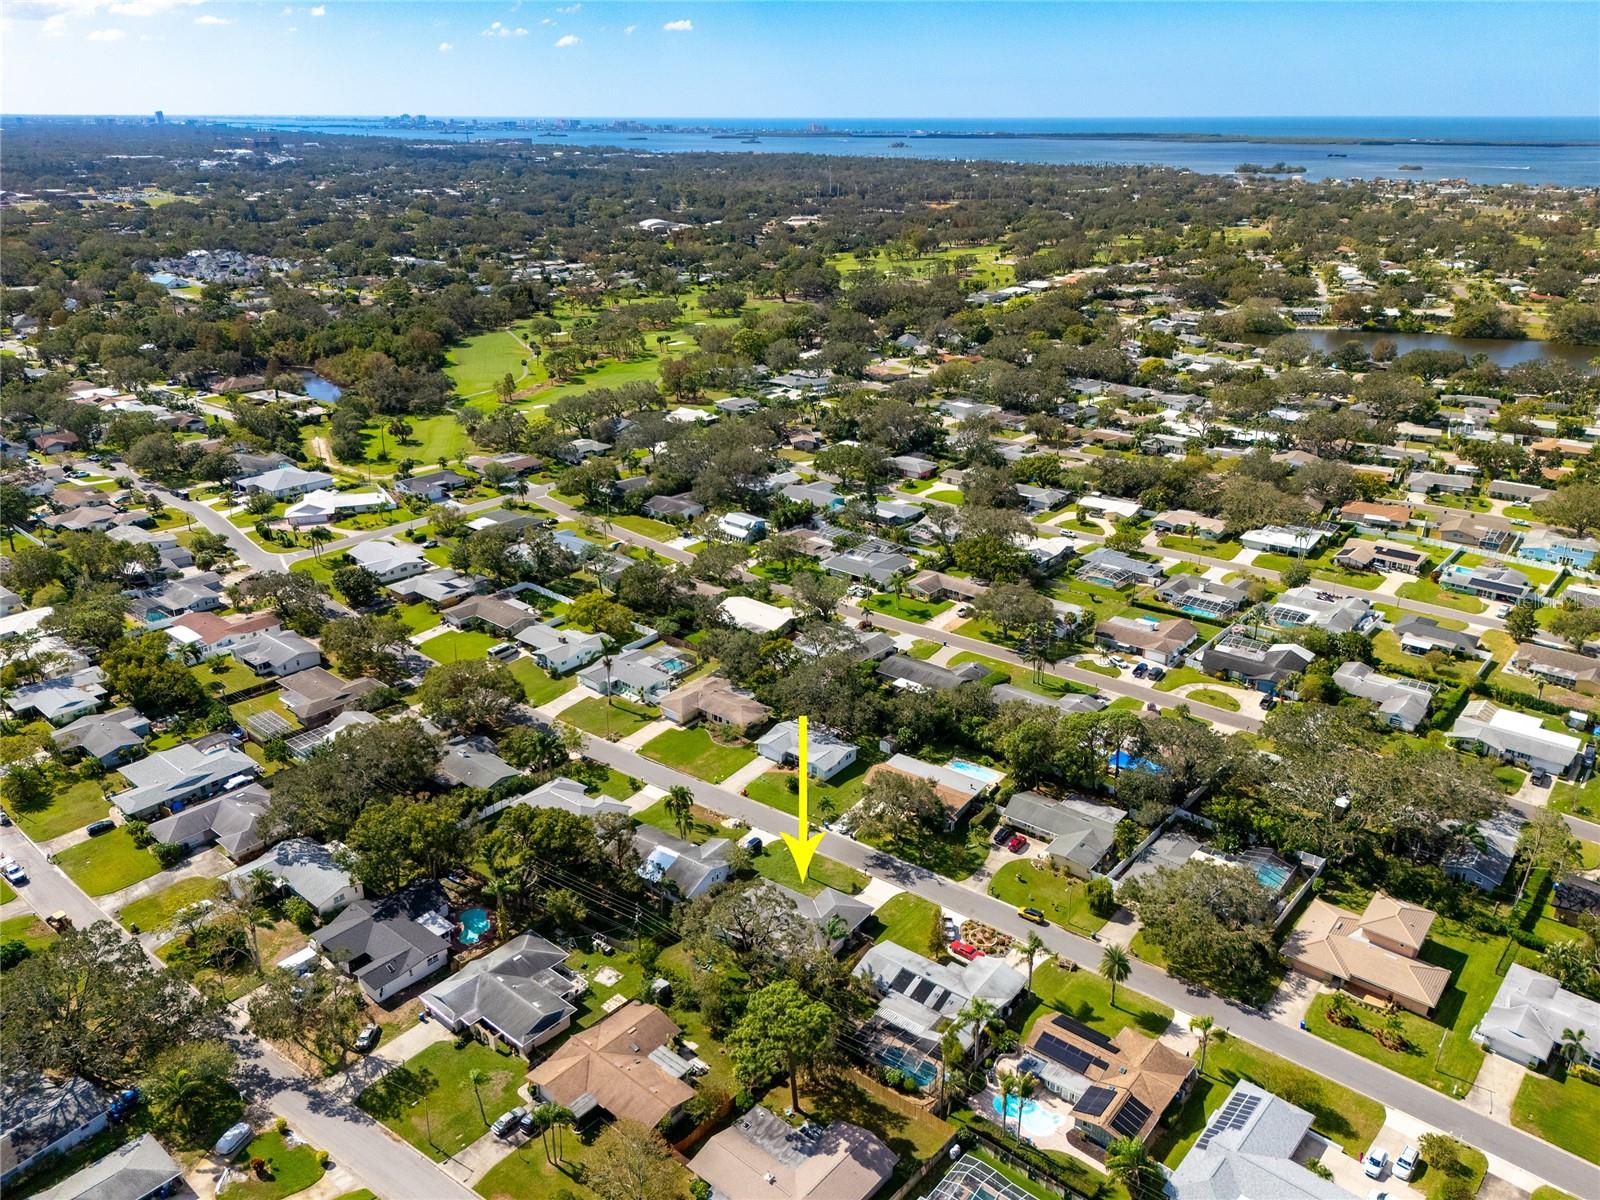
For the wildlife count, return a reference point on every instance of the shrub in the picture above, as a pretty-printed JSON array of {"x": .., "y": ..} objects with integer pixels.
[
  {"x": 139, "y": 831},
  {"x": 301, "y": 913},
  {"x": 1102, "y": 896},
  {"x": 168, "y": 854}
]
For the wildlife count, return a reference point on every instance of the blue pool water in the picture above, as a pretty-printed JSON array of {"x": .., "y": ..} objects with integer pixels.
[
  {"x": 474, "y": 924},
  {"x": 1272, "y": 875},
  {"x": 977, "y": 770},
  {"x": 674, "y": 665},
  {"x": 1036, "y": 1120},
  {"x": 914, "y": 1065}
]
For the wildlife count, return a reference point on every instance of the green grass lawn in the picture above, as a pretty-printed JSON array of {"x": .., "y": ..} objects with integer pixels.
[
  {"x": 430, "y": 1102},
  {"x": 1222, "y": 551},
  {"x": 524, "y": 1174},
  {"x": 73, "y": 806},
  {"x": 947, "y": 496},
  {"x": 907, "y": 608},
  {"x": 910, "y": 921},
  {"x": 1472, "y": 1168},
  {"x": 271, "y": 702},
  {"x": 477, "y": 364},
  {"x": 7, "y": 893},
  {"x": 1099, "y": 668},
  {"x": 586, "y": 962},
  {"x": 698, "y": 753},
  {"x": 615, "y": 720},
  {"x": 704, "y": 824},
  {"x": 290, "y": 1169},
  {"x": 459, "y": 646},
  {"x": 923, "y": 649},
  {"x": 156, "y": 911},
  {"x": 1086, "y": 998},
  {"x": 1338, "y": 1113},
  {"x": 1053, "y": 686},
  {"x": 1582, "y": 800},
  {"x": 1566, "y": 1113},
  {"x": 538, "y": 686},
  {"x": 779, "y": 789},
  {"x": 224, "y": 675},
  {"x": 107, "y": 863},
  {"x": 28, "y": 929},
  {"x": 1060, "y": 897},
  {"x": 1322, "y": 567},
  {"x": 416, "y": 617},
  {"x": 954, "y": 855},
  {"x": 776, "y": 863},
  {"x": 1214, "y": 697},
  {"x": 1425, "y": 591},
  {"x": 649, "y": 527}
]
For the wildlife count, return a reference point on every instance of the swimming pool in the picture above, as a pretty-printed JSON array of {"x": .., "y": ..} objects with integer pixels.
[
  {"x": 1272, "y": 875},
  {"x": 910, "y": 1063},
  {"x": 983, "y": 774},
  {"x": 474, "y": 924},
  {"x": 673, "y": 666},
  {"x": 1036, "y": 1120}
]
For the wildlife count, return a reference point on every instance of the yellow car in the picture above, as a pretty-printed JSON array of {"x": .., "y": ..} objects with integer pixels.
[{"x": 1032, "y": 914}]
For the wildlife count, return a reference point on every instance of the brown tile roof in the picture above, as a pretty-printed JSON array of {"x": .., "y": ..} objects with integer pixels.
[
  {"x": 211, "y": 628},
  {"x": 1333, "y": 941},
  {"x": 611, "y": 1062}
]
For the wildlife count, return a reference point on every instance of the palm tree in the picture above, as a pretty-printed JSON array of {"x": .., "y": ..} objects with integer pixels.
[
  {"x": 1032, "y": 948},
  {"x": 561, "y": 1118},
  {"x": 605, "y": 661},
  {"x": 1572, "y": 1044},
  {"x": 177, "y": 1093},
  {"x": 1130, "y": 1165},
  {"x": 1202, "y": 1028},
  {"x": 320, "y": 537},
  {"x": 949, "y": 1052},
  {"x": 1005, "y": 1084},
  {"x": 680, "y": 805},
  {"x": 976, "y": 1016},
  {"x": 1026, "y": 1081},
  {"x": 477, "y": 1077},
  {"x": 1114, "y": 968},
  {"x": 539, "y": 1118}
]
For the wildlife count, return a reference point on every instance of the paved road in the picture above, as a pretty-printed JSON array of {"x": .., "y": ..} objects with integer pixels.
[
  {"x": 1548, "y": 1162},
  {"x": 390, "y": 1167},
  {"x": 1230, "y": 721},
  {"x": 542, "y": 497},
  {"x": 1587, "y": 830}
]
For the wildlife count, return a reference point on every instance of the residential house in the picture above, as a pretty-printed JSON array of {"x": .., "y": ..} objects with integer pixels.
[
  {"x": 517, "y": 464},
  {"x": 1372, "y": 955},
  {"x": 911, "y": 466},
  {"x": 1365, "y": 514},
  {"x": 1112, "y": 508},
  {"x": 1514, "y": 737},
  {"x": 681, "y": 870},
  {"x": 135, "y": 1170},
  {"x": 1310, "y": 606},
  {"x": 643, "y": 675},
  {"x": 1485, "y": 860},
  {"x": 559, "y": 650},
  {"x": 683, "y": 507},
  {"x": 1388, "y": 557},
  {"x": 317, "y": 695},
  {"x": 1188, "y": 523},
  {"x": 761, "y": 1154},
  {"x": 1419, "y": 635},
  {"x": 1399, "y": 703},
  {"x": 502, "y": 614},
  {"x": 59, "y": 701},
  {"x": 625, "y": 1066},
  {"x": 1487, "y": 581},
  {"x": 1295, "y": 541},
  {"x": 920, "y": 998},
  {"x": 388, "y": 559},
  {"x": 893, "y": 512},
  {"x": 305, "y": 868},
  {"x": 284, "y": 483},
  {"x": 390, "y": 944},
  {"x": 568, "y": 795},
  {"x": 277, "y": 653},
  {"x": 579, "y": 449},
  {"x": 1264, "y": 666},
  {"x": 936, "y": 585},
  {"x": 868, "y": 563},
  {"x": 1202, "y": 597},
  {"x": 918, "y": 674},
  {"x": 440, "y": 587},
  {"x": 471, "y": 762},
  {"x": 1041, "y": 499},
  {"x": 742, "y": 526},
  {"x": 161, "y": 606},
  {"x": 1576, "y": 894},
  {"x": 1079, "y": 834},
  {"x": 1558, "y": 549},
  {"x": 206, "y": 635},
  {"x": 1561, "y": 667},
  {"x": 231, "y": 821},
  {"x": 520, "y": 994},
  {"x": 1161, "y": 642},
  {"x": 827, "y": 753},
  {"x": 958, "y": 790},
  {"x": 322, "y": 506},
  {"x": 736, "y": 406},
  {"x": 112, "y": 737},
  {"x": 1114, "y": 569},
  {"x": 1518, "y": 492},
  {"x": 714, "y": 698},
  {"x": 1254, "y": 1146},
  {"x": 1478, "y": 530},
  {"x": 185, "y": 774},
  {"x": 55, "y": 443},
  {"x": 819, "y": 494},
  {"x": 1118, "y": 1087},
  {"x": 829, "y": 912},
  {"x": 41, "y": 1116},
  {"x": 1533, "y": 1020},
  {"x": 1425, "y": 483},
  {"x": 866, "y": 645},
  {"x": 756, "y": 616},
  {"x": 93, "y": 519},
  {"x": 435, "y": 485}
]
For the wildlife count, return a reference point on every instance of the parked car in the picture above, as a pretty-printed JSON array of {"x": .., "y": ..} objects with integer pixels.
[
  {"x": 123, "y": 1103},
  {"x": 753, "y": 844},
  {"x": 232, "y": 1141},
  {"x": 965, "y": 950},
  {"x": 1152, "y": 706},
  {"x": 5, "y": 818},
  {"x": 1157, "y": 674},
  {"x": 1405, "y": 1163},
  {"x": 1032, "y": 914},
  {"x": 1140, "y": 671},
  {"x": 526, "y": 1121},
  {"x": 96, "y": 828},
  {"x": 952, "y": 930},
  {"x": 1017, "y": 844},
  {"x": 507, "y": 1122},
  {"x": 1003, "y": 835},
  {"x": 1268, "y": 703},
  {"x": 367, "y": 1040},
  {"x": 58, "y": 921},
  {"x": 1376, "y": 1160},
  {"x": 503, "y": 651},
  {"x": 1540, "y": 779},
  {"x": 13, "y": 871}
]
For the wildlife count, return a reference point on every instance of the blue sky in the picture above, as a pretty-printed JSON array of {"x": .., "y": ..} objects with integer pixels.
[{"x": 766, "y": 58}]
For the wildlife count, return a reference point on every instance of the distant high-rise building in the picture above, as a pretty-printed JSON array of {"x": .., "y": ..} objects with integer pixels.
[{"x": 161, "y": 117}]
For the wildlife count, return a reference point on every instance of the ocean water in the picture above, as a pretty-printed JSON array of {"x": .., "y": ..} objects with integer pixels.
[{"x": 1500, "y": 150}]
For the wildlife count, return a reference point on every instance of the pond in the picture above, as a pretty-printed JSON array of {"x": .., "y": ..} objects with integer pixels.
[
  {"x": 322, "y": 390},
  {"x": 1503, "y": 352}
]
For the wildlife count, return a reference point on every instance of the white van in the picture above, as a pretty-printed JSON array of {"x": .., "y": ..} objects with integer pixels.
[{"x": 503, "y": 651}]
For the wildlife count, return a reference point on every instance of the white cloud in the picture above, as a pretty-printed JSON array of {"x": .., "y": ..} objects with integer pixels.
[
  {"x": 106, "y": 35},
  {"x": 496, "y": 29},
  {"x": 320, "y": 10},
  {"x": 55, "y": 26},
  {"x": 288, "y": 11},
  {"x": 142, "y": 8},
  {"x": 446, "y": 47},
  {"x": 570, "y": 39},
  {"x": 571, "y": 8},
  {"x": 211, "y": 19},
  {"x": 679, "y": 26},
  {"x": 629, "y": 30}
]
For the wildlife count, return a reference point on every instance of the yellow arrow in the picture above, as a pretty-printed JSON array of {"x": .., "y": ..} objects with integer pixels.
[{"x": 805, "y": 845}]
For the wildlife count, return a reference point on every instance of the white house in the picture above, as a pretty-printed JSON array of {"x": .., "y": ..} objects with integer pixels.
[
  {"x": 321, "y": 506},
  {"x": 1514, "y": 737},
  {"x": 389, "y": 560},
  {"x": 756, "y": 616},
  {"x": 561, "y": 650},
  {"x": 826, "y": 752},
  {"x": 743, "y": 526},
  {"x": 282, "y": 483},
  {"x": 1531, "y": 1016},
  {"x": 1295, "y": 540}
]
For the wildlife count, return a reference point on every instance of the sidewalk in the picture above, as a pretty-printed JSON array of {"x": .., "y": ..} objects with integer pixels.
[
  {"x": 366, "y": 1071},
  {"x": 747, "y": 774}
]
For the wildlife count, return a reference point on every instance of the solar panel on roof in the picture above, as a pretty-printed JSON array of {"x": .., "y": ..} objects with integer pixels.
[
  {"x": 1082, "y": 1032},
  {"x": 1130, "y": 1117},
  {"x": 1093, "y": 1102},
  {"x": 1068, "y": 1055},
  {"x": 1235, "y": 1114},
  {"x": 902, "y": 981}
]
